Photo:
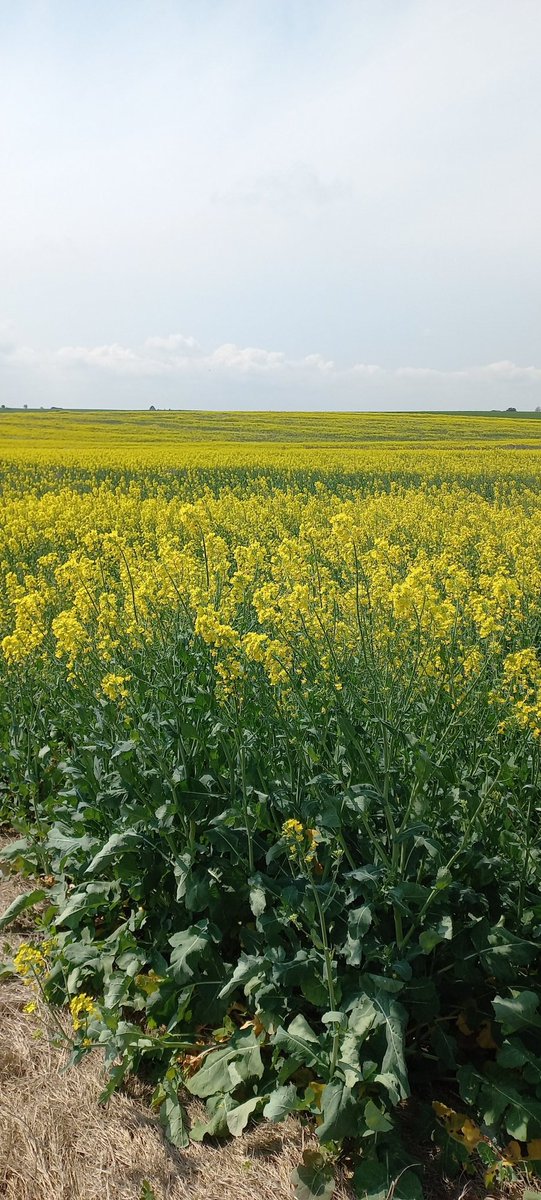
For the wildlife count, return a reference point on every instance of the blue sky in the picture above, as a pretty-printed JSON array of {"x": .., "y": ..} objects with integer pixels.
[{"x": 270, "y": 203}]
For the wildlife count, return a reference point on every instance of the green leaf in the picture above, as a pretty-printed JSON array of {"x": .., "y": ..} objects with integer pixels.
[
  {"x": 364, "y": 1016},
  {"x": 86, "y": 899},
  {"x": 395, "y": 1017},
  {"x": 111, "y": 851},
  {"x": 173, "y": 1116},
  {"x": 313, "y": 1179},
  {"x": 188, "y": 945},
  {"x": 359, "y": 921},
  {"x": 237, "y": 1118},
  {"x": 223, "y": 1069},
  {"x": 340, "y": 1113},
  {"x": 430, "y": 938},
  {"x": 376, "y": 1120},
  {"x": 523, "y": 1118},
  {"x": 514, "y": 1054},
  {"x": 282, "y": 1101},
  {"x": 147, "y": 1191},
  {"x": 181, "y": 868},
  {"x": 248, "y": 974},
  {"x": 518, "y": 1011},
  {"x": 258, "y": 898},
  {"x": 213, "y": 1076},
  {"x": 506, "y": 952},
  {"x": 14, "y": 850},
  {"x": 371, "y": 1181},
  {"x": 69, "y": 844},
  {"x": 20, "y": 904},
  {"x": 378, "y": 1181},
  {"x": 300, "y": 1041},
  {"x": 217, "y": 1109}
]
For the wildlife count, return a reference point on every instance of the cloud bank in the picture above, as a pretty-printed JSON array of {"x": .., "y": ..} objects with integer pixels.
[{"x": 175, "y": 370}]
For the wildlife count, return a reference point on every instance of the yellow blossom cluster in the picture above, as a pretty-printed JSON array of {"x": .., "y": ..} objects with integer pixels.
[
  {"x": 521, "y": 689},
  {"x": 300, "y": 840},
  {"x": 83, "y": 1010},
  {"x": 115, "y": 686},
  {"x": 30, "y": 962}
]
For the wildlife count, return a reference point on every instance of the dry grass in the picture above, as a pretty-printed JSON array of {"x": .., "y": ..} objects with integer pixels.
[{"x": 58, "y": 1143}]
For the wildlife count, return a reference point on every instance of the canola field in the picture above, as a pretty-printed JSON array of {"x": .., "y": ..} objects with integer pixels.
[{"x": 270, "y": 718}]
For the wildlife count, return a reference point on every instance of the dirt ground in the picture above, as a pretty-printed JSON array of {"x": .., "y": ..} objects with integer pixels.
[{"x": 58, "y": 1143}]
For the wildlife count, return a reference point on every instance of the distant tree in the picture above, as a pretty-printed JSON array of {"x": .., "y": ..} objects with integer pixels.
[
  {"x": 152, "y": 408},
  {"x": 510, "y": 410},
  {"x": 538, "y": 409}
]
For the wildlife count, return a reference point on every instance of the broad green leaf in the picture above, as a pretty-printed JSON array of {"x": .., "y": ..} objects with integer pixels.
[
  {"x": 371, "y": 1181},
  {"x": 300, "y": 1028},
  {"x": 113, "y": 849},
  {"x": 173, "y": 1116},
  {"x": 379, "y": 1181},
  {"x": 313, "y": 1179},
  {"x": 364, "y": 1015},
  {"x": 69, "y": 844},
  {"x": 188, "y": 945},
  {"x": 359, "y": 922},
  {"x": 394, "y": 1062},
  {"x": 237, "y": 1118},
  {"x": 247, "y": 1063},
  {"x": 282, "y": 1101},
  {"x": 348, "y": 1058},
  {"x": 388, "y": 1081},
  {"x": 300, "y": 1041},
  {"x": 376, "y": 1120},
  {"x": 518, "y": 1011},
  {"x": 14, "y": 849},
  {"x": 217, "y": 1108},
  {"x": 340, "y": 1113},
  {"x": 116, "y": 989},
  {"x": 223, "y": 1069},
  {"x": 430, "y": 938},
  {"x": 181, "y": 868},
  {"x": 444, "y": 1045},
  {"x": 213, "y": 1076},
  {"x": 514, "y": 1054},
  {"x": 248, "y": 972},
  {"x": 258, "y": 897},
  {"x": 523, "y": 1118},
  {"x": 20, "y": 904},
  {"x": 86, "y": 899}
]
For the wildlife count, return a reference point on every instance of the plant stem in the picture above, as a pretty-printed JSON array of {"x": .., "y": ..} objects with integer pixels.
[{"x": 329, "y": 979}]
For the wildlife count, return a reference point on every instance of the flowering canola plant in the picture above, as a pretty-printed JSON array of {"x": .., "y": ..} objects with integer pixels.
[{"x": 270, "y": 707}]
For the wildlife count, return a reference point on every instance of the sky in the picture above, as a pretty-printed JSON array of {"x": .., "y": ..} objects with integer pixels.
[{"x": 288, "y": 204}]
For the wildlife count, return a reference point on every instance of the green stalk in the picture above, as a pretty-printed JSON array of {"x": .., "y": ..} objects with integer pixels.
[
  {"x": 527, "y": 855},
  {"x": 328, "y": 978}
]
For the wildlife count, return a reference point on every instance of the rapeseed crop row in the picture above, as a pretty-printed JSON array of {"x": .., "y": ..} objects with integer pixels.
[{"x": 270, "y": 718}]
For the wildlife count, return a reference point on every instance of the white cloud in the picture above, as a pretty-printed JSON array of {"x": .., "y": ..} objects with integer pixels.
[
  {"x": 174, "y": 343},
  {"x": 175, "y": 368},
  {"x": 115, "y": 358}
]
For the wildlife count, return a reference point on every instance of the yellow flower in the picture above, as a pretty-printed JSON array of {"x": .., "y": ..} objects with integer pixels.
[
  {"x": 29, "y": 962},
  {"x": 114, "y": 686},
  {"x": 83, "y": 1010},
  {"x": 301, "y": 841}
]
